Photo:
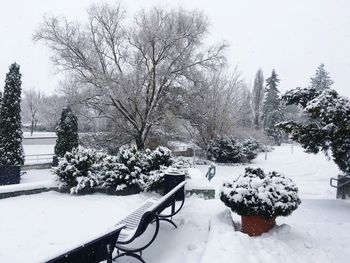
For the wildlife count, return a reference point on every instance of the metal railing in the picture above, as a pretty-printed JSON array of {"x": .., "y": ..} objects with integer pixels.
[{"x": 38, "y": 158}]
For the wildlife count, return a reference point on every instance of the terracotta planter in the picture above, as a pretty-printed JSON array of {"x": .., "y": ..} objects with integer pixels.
[{"x": 256, "y": 225}]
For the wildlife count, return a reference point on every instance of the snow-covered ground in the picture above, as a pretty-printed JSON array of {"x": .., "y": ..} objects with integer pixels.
[
  {"x": 35, "y": 227},
  {"x": 310, "y": 172}
]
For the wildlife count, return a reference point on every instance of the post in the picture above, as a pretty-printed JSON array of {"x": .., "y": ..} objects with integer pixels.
[{"x": 194, "y": 146}]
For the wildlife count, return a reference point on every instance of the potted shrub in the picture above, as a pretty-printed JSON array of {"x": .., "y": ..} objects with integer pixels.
[{"x": 259, "y": 198}]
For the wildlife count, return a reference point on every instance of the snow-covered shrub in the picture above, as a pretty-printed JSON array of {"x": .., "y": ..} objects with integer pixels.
[
  {"x": 79, "y": 169},
  {"x": 250, "y": 149},
  {"x": 132, "y": 158},
  {"x": 154, "y": 180},
  {"x": 146, "y": 167},
  {"x": 83, "y": 169},
  {"x": 118, "y": 176},
  {"x": 161, "y": 156},
  {"x": 225, "y": 150},
  {"x": 230, "y": 150},
  {"x": 257, "y": 193}
]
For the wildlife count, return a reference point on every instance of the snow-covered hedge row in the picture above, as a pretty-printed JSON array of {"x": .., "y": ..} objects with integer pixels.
[
  {"x": 257, "y": 193},
  {"x": 230, "y": 150},
  {"x": 83, "y": 169}
]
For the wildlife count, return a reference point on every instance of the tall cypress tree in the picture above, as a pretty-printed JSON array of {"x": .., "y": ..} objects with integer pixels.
[
  {"x": 67, "y": 133},
  {"x": 272, "y": 112},
  {"x": 322, "y": 80},
  {"x": 258, "y": 99},
  {"x": 246, "y": 111},
  {"x": 11, "y": 149}
]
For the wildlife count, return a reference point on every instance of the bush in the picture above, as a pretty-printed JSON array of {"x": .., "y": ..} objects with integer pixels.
[
  {"x": 79, "y": 169},
  {"x": 161, "y": 156},
  {"x": 256, "y": 193},
  {"x": 83, "y": 169},
  {"x": 118, "y": 176},
  {"x": 250, "y": 149},
  {"x": 230, "y": 150}
]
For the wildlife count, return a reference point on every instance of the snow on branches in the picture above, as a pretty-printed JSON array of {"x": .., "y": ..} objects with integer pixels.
[{"x": 329, "y": 128}]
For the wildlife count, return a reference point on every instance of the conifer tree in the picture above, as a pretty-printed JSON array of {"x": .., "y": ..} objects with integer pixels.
[
  {"x": 11, "y": 149},
  {"x": 272, "y": 111},
  {"x": 322, "y": 80},
  {"x": 67, "y": 133},
  {"x": 258, "y": 99},
  {"x": 330, "y": 130},
  {"x": 246, "y": 111}
]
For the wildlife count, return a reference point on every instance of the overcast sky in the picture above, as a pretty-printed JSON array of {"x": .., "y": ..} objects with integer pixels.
[{"x": 292, "y": 36}]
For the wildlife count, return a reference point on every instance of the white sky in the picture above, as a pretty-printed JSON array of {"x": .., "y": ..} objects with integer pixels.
[{"x": 292, "y": 36}]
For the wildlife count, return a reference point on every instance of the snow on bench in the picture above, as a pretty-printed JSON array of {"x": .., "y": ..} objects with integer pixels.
[{"x": 152, "y": 211}]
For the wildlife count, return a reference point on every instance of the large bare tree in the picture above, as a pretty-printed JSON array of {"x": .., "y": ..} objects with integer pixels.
[{"x": 131, "y": 68}]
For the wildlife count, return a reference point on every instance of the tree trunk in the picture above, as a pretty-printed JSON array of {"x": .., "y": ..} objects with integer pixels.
[
  {"x": 32, "y": 128},
  {"x": 140, "y": 142}
]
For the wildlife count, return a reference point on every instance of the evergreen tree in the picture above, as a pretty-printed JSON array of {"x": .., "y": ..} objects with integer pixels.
[
  {"x": 322, "y": 80},
  {"x": 330, "y": 130},
  {"x": 246, "y": 111},
  {"x": 67, "y": 133},
  {"x": 272, "y": 111},
  {"x": 11, "y": 149},
  {"x": 258, "y": 99}
]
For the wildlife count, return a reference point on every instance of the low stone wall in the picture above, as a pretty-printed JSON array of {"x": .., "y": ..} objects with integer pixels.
[
  {"x": 26, "y": 192},
  {"x": 203, "y": 193}
]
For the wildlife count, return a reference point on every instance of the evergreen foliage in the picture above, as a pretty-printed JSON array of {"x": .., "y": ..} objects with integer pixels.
[
  {"x": 256, "y": 193},
  {"x": 230, "y": 150},
  {"x": 246, "y": 111},
  {"x": 11, "y": 149},
  {"x": 272, "y": 111},
  {"x": 67, "y": 133},
  {"x": 330, "y": 129},
  {"x": 83, "y": 169},
  {"x": 258, "y": 98},
  {"x": 321, "y": 80},
  {"x": 79, "y": 170}
]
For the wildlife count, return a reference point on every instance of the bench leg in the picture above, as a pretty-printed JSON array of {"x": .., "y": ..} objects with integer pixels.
[
  {"x": 130, "y": 255},
  {"x": 168, "y": 220}
]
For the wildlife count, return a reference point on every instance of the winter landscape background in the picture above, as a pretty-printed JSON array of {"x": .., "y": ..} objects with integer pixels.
[{"x": 106, "y": 104}]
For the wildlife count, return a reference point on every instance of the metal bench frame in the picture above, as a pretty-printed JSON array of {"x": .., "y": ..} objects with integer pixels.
[{"x": 150, "y": 212}]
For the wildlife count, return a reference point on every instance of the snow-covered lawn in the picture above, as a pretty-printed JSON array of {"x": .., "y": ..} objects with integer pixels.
[{"x": 38, "y": 226}]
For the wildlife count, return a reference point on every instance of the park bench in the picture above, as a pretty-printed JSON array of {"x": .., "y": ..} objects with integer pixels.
[
  {"x": 152, "y": 211},
  {"x": 97, "y": 250},
  {"x": 128, "y": 230}
]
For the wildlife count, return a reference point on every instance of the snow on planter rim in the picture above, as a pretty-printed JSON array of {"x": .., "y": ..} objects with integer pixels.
[{"x": 256, "y": 193}]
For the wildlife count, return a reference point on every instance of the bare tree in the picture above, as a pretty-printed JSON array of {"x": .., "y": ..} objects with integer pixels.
[
  {"x": 32, "y": 103},
  {"x": 212, "y": 108},
  {"x": 132, "y": 68}
]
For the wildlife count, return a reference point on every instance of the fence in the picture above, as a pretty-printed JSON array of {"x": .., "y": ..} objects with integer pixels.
[{"x": 38, "y": 158}]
